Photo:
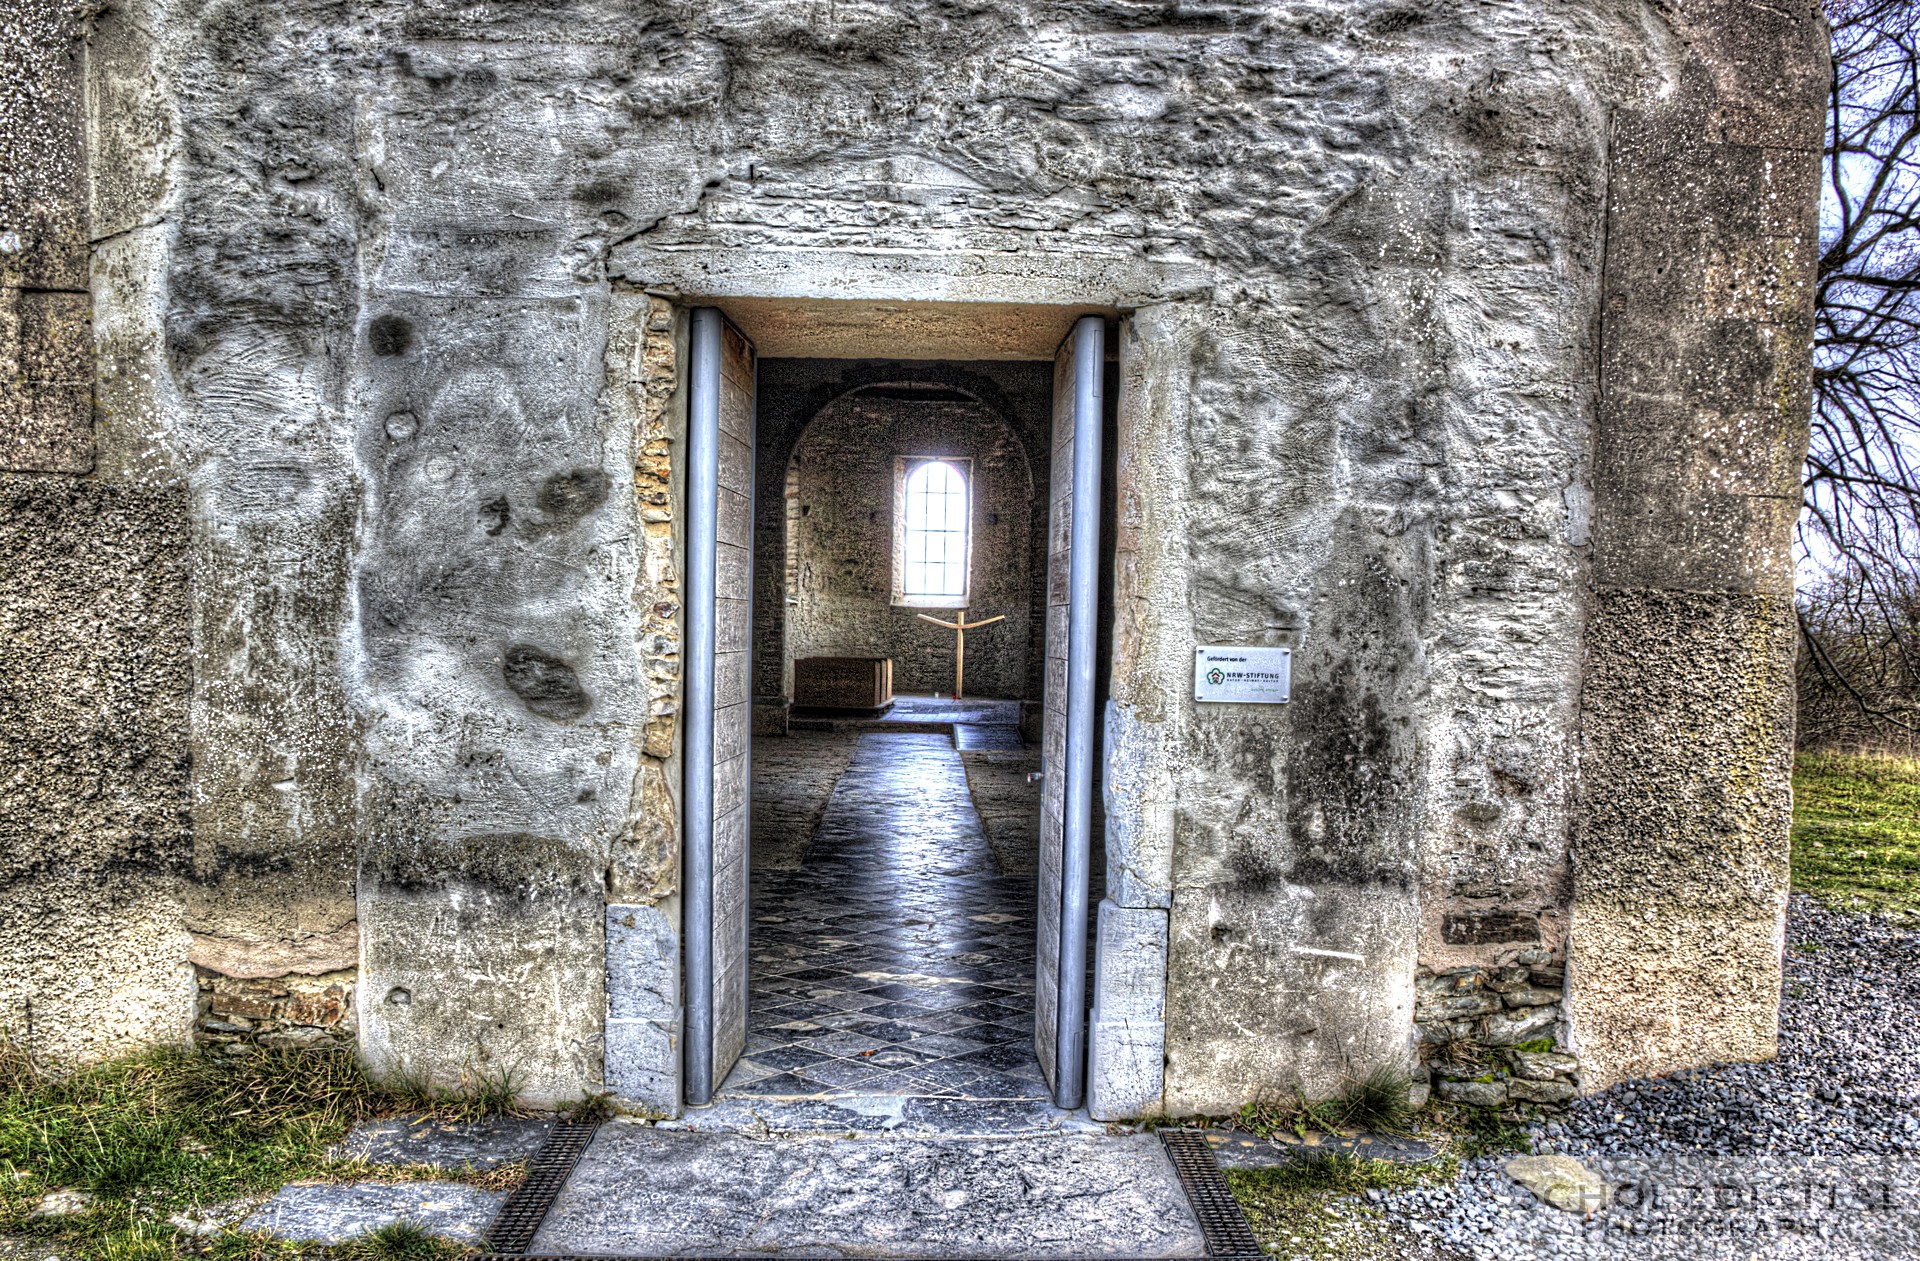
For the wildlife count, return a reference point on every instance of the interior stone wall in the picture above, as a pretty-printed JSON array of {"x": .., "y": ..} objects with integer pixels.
[
  {"x": 845, "y": 479},
  {"x": 792, "y": 393}
]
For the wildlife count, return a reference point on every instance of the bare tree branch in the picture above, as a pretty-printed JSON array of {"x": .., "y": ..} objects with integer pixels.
[{"x": 1860, "y": 672}]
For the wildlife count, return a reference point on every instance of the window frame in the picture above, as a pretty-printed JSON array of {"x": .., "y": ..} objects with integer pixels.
[{"x": 903, "y": 468}]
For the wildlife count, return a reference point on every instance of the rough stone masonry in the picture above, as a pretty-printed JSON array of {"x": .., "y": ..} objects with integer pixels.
[{"x": 1462, "y": 350}]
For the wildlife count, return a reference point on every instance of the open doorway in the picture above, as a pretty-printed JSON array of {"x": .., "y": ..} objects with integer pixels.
[
  {"x": 871, "y": 509},
  {"x": 896, "y": 827}
]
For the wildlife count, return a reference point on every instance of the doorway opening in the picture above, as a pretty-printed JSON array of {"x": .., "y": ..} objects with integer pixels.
[
  {"x": 896, "y": 829},
  {"x": 915, "y": 937}
]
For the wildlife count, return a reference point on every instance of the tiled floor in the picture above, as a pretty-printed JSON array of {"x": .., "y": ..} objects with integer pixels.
[{"x": 896, "y": 960}]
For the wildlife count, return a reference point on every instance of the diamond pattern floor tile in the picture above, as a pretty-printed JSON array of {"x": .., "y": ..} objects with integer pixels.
[{"x": 896, "y": 959}]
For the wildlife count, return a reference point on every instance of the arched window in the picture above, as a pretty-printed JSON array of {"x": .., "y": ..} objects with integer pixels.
[{"x": 934, "y": 561}]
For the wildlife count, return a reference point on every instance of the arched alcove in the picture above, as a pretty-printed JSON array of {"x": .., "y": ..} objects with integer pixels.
[
  {"x": 841, "y": 585},
  {"x": 864, "y": 415}
]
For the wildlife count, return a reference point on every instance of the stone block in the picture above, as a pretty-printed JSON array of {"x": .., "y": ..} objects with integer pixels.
[
  {"x": 1480, "y": 928},
  {"x": 1561, "y": 1181},
  {"x": 1130, "y": 978},
  {"x": 843, "y": 682},
  {"x": 732, "y": 572},
  {"x": 321, "y": 1007},
  {"x": 643, "y": 1064},
  {"x": 429, "y": 1140},
  {"x": 736, "y": 470},
  {"x": 96, "y": 651},
  {"x": 732, "y": 726},
  {"x": 1126, "y": 1067},
  {"x": 1440, "y": 1032},
  {"x": 484, "y": 954},
  {"x": 237, "y": 1005},
  {"x": 1477, "y": 1094},
  {"x": 1542, "y": 1065},
  {"x": 1139, "y": 813},
  {"x": 733, "y": 628},
  {"x": 1522, "y": 1024},
  {"x": 1546, "y": 1092},
  {"x": 643, "y": 964},
  {"x": 1507, "y": 980},
  {"x": 1681, "y": 852},
  {"x": 329, "y": 1213},
  {"x": 730, "y": 788},
  {"x": 733, "y": 523},
  {"x": 46, "y": 382},
  {"x": 1458, "y": 1007}
]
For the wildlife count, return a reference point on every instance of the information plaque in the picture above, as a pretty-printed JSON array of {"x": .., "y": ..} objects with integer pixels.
[{"x": 1246, "y": 676}]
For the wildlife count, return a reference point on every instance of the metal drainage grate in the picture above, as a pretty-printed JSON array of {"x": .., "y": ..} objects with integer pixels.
[
  {"x": 520, "y": 1217},
  {"x": 1221, "y": 1221}
]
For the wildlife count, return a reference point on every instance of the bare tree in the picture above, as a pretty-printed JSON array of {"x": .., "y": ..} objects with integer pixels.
[{"x": 1861, "y": 519}]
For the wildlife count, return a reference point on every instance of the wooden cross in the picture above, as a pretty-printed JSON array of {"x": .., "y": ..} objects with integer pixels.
[{"x": 961, "y": 626}]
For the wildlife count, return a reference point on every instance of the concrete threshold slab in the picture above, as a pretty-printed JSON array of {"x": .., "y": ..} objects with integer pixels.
[
  {"x": 898, "y": 1116},
  {"x": 642, "y": 1190}
]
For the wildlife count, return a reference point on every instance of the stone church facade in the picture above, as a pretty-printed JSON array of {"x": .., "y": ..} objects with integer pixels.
[{"x": 344, "y": 409}]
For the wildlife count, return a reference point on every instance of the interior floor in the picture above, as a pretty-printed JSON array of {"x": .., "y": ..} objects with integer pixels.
[{"x": 892, "y": 951}]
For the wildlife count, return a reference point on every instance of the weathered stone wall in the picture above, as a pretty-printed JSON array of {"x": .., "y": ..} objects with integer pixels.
[
  {"x": 94, "y": 671},
  {"x": 1491, "y": 1036},
  {"x": 370, "y": 323},
  {"x": 94, "y": 844},
  {"x": 844, "y": 469},
  {"x": 46, "y": 351},
  {"x": 1681, "y": 840}
]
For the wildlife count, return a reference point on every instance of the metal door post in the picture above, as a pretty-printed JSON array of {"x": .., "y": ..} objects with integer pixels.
[
  {"x": 1083, "y": 609},
  {"x": 703, "y": 510}
]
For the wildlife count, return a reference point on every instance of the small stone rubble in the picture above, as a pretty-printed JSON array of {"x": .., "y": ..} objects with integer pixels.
[
  {"x": 1489, "y": 1036},
  {"x": 297, "y": 1010},
  {"x": 1813, "y": 1155}
]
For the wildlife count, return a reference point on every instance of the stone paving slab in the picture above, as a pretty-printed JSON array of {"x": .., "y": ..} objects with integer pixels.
[
  {"x": 445, "y": 1144},
  {"x": 657, "y": 1192},
  {"x": 332, "y": 1213},
  {"x": 899, "y": 1116}
]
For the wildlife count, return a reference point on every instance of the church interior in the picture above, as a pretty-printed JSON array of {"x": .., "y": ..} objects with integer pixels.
[{"x": 901, "y": 577}]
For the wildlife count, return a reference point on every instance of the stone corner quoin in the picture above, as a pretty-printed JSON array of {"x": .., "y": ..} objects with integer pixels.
[{"x": 343, "y": 485}]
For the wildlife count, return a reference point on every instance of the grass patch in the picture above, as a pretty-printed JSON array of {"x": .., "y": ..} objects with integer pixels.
[
  {"x": 1375, "y": 1100},
  {"x": 1315, "y": 1206},
  {"x": 1856, "y": 832},
  {"x": 175, "y": 1131}
]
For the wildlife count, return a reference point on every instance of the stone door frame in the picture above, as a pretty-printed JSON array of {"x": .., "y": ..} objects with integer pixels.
[{"x": 942, "y": 294}]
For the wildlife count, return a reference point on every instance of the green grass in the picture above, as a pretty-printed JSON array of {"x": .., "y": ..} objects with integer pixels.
[
  {"x": 1314, "y": 1206},
  {"x": 1856, "y": 832},
  {"x": 1374, "y": 1100},
  {"x": 169, "y": 1131}
]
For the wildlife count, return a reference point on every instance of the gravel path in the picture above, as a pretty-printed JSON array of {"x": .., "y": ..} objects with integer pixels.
[{"x": 1816, "y": 1154}]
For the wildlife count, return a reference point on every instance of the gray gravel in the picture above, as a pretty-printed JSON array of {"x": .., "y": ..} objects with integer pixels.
[{"x": 1816, "y": 1154}]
